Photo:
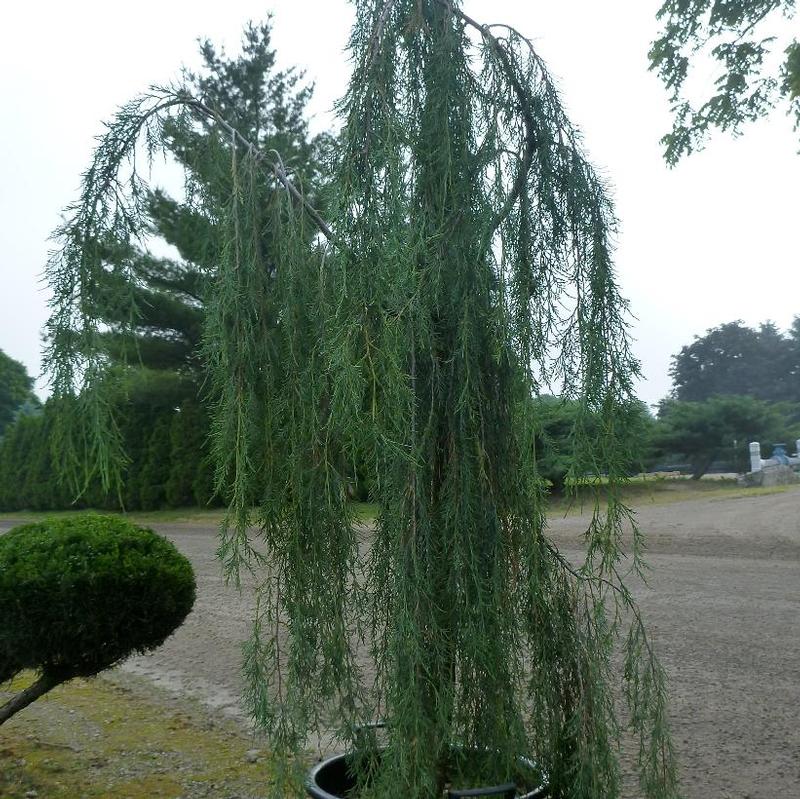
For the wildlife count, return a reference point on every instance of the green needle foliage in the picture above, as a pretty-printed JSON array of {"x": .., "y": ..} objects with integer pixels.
[
  {"x": 464, "y": 265},
  {"x": 80, "y": 594},
  {"x": 16, "y": 392}
]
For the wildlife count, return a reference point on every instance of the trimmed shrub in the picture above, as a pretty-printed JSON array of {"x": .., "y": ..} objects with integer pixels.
[{"x": 79, "y": 594}]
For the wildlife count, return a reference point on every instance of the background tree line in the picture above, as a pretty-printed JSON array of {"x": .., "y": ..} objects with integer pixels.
[
  {"x": 732, "y": 385},
  {"x": 164, "y": 431}
]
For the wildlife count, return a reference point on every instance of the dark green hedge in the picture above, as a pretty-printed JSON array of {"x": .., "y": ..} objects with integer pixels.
[
  {"x": 81, "y": 593},
  {"x": 169, "y": 464}
]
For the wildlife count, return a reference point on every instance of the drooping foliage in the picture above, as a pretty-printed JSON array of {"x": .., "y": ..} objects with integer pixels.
[
  {"x": 151, "y": 307},
  {"x": 463, "y": 265},
  {"x": 266, "y": 105},
  {"x": 752, "y": 45}
]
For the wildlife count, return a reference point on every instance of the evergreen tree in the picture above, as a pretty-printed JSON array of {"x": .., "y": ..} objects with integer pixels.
[
  {"x": 269, "y": 107},
  {"x": 155, "y": 466},
  {"x": 15, "y": 449},
  {"x": 190, "y": 479},
  {"x": 165, "y": 435},
  {"x": 29, "y": 478},
  {"x": 16, "y": 390},
  {"x": 467, "y": 257}
]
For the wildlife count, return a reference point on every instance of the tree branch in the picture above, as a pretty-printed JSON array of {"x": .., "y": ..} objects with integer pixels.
[{"x": 275, "y": 167}]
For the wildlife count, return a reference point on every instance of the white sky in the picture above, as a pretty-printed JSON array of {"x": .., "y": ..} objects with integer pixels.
[{"x": 714, "y": 240}]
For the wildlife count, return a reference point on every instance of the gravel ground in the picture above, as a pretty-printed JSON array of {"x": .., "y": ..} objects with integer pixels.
[{"x": 723, "y": 607}]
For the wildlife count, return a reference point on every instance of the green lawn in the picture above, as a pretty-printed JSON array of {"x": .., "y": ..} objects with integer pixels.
[
  {"x": 643, "y": 490},
  {"x": 100, "y": 738}
]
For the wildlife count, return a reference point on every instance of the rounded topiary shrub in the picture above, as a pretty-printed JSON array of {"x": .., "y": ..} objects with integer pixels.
[{"x": 79, "y": 594}]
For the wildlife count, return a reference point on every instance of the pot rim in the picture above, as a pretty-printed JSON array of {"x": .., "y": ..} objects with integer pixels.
[{"x": 540, "y": 792}]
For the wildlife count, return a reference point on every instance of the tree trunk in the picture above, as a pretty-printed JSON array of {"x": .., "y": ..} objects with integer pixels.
[
  {"x": 45, "y": 683},
  {"x": 700, "y": 467}
]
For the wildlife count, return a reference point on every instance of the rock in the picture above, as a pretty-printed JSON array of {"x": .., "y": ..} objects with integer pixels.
[
  {"x": 770, "y": 476},
  {"x": 252, "y": 755}
]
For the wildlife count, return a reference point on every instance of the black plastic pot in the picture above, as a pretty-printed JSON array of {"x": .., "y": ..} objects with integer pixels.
[{"x": 333, "y": 779}]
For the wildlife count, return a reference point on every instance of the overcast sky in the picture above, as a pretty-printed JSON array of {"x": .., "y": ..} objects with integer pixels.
[{"x": 713, "y": 240}]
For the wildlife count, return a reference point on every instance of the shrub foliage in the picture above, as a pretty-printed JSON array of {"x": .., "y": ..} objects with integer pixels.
[
  {"x": 79, "y": 594},
  {"x": 168, "y": 466}
]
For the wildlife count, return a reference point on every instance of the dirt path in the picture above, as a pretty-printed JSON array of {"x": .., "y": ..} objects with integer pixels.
[
  {"x": 723, "y": 607},
  {"x": 724, "y": 610}
]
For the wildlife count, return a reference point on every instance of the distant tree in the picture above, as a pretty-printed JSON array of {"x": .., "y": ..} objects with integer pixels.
[
  {"x": 759, "y": 59},
  {"x": 704, "y": 431},
  {"x": 733, "y": 359},
  {"x": 164, "y": 430},
  {"x": 16, "y": 390},
  {"x": 794, "y": 361},
  {"x": 20, "y": 450},
  {"x": 191, "y": 474},
  {"x": 268, "y": 106},
  {"x": 153, "y": 403},
  {"x": 560, "y": 423}
]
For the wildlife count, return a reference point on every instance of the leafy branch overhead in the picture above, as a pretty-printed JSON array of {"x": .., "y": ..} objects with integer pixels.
[
  {"x": 752, "y": 45},
  {"x": 461, "y": 266}
]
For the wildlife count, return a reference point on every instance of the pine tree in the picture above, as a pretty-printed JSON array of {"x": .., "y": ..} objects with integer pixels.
[
  {"x": 189, "y": 480},
  {"x": 463, "y": 261},
  {"x": 269, "y": 107}
]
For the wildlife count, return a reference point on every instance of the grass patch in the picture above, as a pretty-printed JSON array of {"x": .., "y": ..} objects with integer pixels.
[
  {"x": 94, "y": 738},
  {"x": 641, "y": 490},
  {"x": 213, "y": 517},
  {"x": 362, "y": 511}
]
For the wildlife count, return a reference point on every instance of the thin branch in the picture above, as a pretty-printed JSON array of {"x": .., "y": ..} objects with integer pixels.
[
  {"x": 276, "y": 168},
  {"x": 623, "y": 593},
  {"x": 377, "y": 33}
]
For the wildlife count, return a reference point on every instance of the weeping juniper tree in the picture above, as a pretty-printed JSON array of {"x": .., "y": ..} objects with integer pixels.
[{"x": 464, "y": 263}]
